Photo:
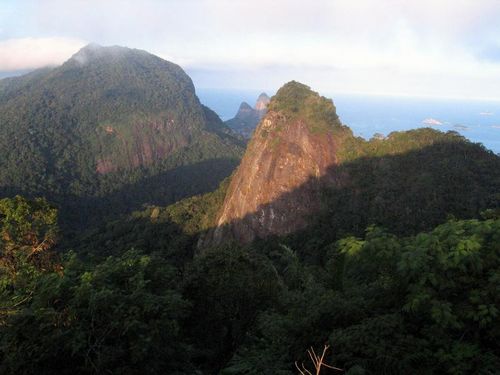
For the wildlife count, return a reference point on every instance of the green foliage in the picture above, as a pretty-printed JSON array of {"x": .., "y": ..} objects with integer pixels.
[
  {"x": 447, "y": 318},
  {"x": 138, "y": 296},
  {"x": 109, "y": 127},
  {"x": 426, "y": 303},
  {"x": 198, "y": 213},
  {"x": 408, "y": 183},
  {"x": 290, "y": 97},
  {"x": 352, "y": 292},
  {"x": 388, "y": 305},
  {"x": 298, "y": 101},
  {"x": 228, "y": 287},
  {"x": 170, "y": 231},
  {"x": 122, "y": 316},
  {"x": 28, "y": 230}
]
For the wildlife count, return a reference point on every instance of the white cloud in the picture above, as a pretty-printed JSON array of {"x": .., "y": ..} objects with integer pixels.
[
  {"x": 30, "y": 53},
  {"x": 425, "y": 47},
  {"x": 432, "y": 122}
]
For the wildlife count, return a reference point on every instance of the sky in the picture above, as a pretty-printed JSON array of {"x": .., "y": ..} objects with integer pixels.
[{"x": 435, "y": 48}]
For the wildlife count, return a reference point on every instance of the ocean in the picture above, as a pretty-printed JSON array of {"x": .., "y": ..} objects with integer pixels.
[{"x": 479, "y": 121}]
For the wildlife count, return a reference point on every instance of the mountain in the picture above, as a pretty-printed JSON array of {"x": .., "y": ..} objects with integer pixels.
[
  {"x": 248, "y": 117},
  {"x": 112, "y": 127},
  {"x": 285, "y": 151},
  {"x": 304, "y": 169}
]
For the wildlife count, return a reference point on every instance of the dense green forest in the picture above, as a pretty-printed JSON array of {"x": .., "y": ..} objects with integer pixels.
[
  {"x": 136, "y": 296},
  {"x": 108, "y": 188},
  {"x": 109, "y": 130},
  {"x": 414, "y": 291}
]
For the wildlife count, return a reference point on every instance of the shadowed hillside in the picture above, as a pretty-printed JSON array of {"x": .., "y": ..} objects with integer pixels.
[{"x": 405, "y": 193}]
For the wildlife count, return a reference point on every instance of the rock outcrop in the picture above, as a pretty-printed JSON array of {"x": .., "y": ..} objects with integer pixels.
[{"x": 278, "y": 183}]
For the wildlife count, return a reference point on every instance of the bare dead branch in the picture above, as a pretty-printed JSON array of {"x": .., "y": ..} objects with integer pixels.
[
  {"x": 318, "y": 362},
  {"x": 332, "y": 367}
]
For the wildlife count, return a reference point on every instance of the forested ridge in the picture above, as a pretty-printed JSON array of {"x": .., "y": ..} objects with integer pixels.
[
  {"x": 86, "y": 133},
  {"x": 398, "y": 273}
]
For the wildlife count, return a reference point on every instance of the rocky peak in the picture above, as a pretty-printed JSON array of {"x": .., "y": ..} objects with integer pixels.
[
  {"x": 262, "y": 103},
  {"x": 244, "y": 108},
  {"x": 278, "y": 183},
  {"x": 248, "y": 117}
]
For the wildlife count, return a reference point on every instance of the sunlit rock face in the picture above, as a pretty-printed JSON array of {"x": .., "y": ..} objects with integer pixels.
[
  {"x": 279, "y": 181},
  {"x": 262, "y": 103}
]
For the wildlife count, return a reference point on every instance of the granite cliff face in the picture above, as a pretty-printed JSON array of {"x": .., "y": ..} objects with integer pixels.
[
  {"x": 293, "y": 147},
  {"x": 249, "y": 117}
]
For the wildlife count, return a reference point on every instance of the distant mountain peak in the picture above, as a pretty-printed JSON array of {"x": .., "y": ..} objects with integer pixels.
[
  {"x": 249, "y": 117},
  {"x": 262, "y": 102},
  {"x": 244, "y": 106}
]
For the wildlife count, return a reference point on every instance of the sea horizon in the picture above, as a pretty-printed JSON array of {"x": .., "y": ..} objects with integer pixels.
[{"x": 476, "y": 119}]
